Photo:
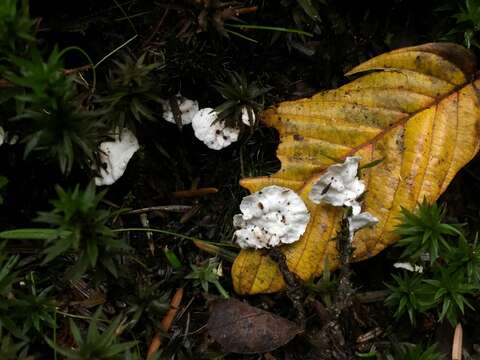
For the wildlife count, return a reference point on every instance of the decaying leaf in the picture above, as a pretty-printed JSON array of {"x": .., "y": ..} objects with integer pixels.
[
  {"x": 417, "y": 108},
  {"x": 244, "y": 329}
]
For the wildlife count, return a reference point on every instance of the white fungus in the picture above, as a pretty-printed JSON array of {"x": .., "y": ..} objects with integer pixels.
[
  {"x": 409, "y": 267},
  {"x": 246, "y": 113},
  {"x": 12, "y": 139},
  {"x": 6, "y": 137},
  {"x": 188, "y": 108},
  {"x": 339, "y": 186},
  {"x": 115, "y": 155},
  {"x": 216, "y": 135},
  {"x": 360, "y": 221},
  {"x": 272, "y": 216}
]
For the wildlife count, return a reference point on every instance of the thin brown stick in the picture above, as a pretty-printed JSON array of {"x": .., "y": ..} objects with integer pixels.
[
  {"x": 190, "y": 213},
  {"x": 371, "y": 296},
  {"x": 372, "y": 334},
  {"x": 246, "y": 10},
  {"x": 75, "y": 70},
  {"x": 156, "y": 29},
  {"x": 5, "y": 83},
  {"x": 194, "y": 192},
  {"x": 167, "y": 208},
  {"x": 457, "y": 343},
  {"x": 166, "y": 322}
]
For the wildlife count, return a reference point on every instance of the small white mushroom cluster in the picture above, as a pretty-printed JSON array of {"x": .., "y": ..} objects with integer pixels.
[
  {"x": 215, "y": 134},
  {"x": 273, "y": 216},
  {"x": 115, "y": 155},
  {"x": 276, "y": 215},
  {"x": 188, "y": 108},
  {"x": 409, "y": 267},
  {"x": 340, "y": 186},
  {"x": 7, "y": 138}
]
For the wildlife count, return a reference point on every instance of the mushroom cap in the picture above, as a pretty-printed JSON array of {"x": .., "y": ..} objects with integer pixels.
[
  {"x": 272, "y": 216},
  {"x": 408, "y": 266},
  {"x": 245, "y": 118},
  {"x": 115, "y": 155},
  {"x": 213, "y": 134},
  {"x": 188, "y": 109},
  {"x": 12, "y": 139},
  {"x": 359, "y": 221},
  {"x": 339, "y": 185}
]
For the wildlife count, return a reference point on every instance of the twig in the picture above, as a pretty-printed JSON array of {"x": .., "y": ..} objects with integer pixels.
[
  {"x": 371, "y": 296},
  {"x": 146, "y": 224},
  {"x": 157, "y": 28},
  {"x": 166, "y": 322},
  {"x": 194, "y": 192},
  {"x": 5, "y": 83},
  {"x": 174, "y": 234},
  {"x": 177, "y": 114},
  {"x": 333, "y": 332},
  {"x": 168, "y": 208},
  {"x": 190, "y": 213},
  {"x": 110, "y": 203},
  {"x": 126, "y": 16},
  {"x": 369, "y": 335},
  {"x": 457, "y": 343},
  {"x": 245, "y": 10},
  {"x": 115, "y": 50},
  {"x": 294, "y": 284},
  {"x": 215, "y": 250},
  {"x": 75, "y": 70}
]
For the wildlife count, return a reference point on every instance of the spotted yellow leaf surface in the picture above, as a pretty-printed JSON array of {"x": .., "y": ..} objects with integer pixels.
[{"x": 417, "y": 108}]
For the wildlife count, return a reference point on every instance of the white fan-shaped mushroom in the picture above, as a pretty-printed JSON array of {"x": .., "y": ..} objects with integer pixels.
[
  {"x": 188, "y": 108},
  {"x": 216, "y": 135},
  {"x": 272, "y": 216},
  {"x": 339, "y": 185},
  {"x": 115, "y": 155},
  {"x": 408, "y": 266},
  {"x": 246, "y": 113},
  {"x": 6, "y": 137},
  {"x": 12, "y": 139},
  {"x": 360, "y": 221}
]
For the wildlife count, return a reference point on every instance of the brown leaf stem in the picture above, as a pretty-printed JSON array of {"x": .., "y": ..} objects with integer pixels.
[{"x": 166, "y": 322}]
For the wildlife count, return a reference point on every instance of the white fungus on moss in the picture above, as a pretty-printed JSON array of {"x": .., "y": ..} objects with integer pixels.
[
  {"x": 339, "y": 185},
  {"x": 188, "y": 108},
  {"x": 409, "y": 267},
  {"x": 115, "y": 155},
  {"x": 270, "y": 217},
  {"x": 215, "y": 134},
  {"x": 2, "y": 135},
  {"x": 248, "y": 112}
]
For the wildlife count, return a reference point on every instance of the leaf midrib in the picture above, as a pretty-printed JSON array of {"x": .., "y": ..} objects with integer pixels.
[{"x": 395, "y": 125}]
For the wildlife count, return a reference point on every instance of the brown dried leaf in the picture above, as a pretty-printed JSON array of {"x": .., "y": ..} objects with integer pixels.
[{"x": 244, "y": 329}]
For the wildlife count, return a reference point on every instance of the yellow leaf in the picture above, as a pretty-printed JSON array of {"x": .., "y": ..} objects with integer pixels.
[{"x": 417, "y": 108}]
